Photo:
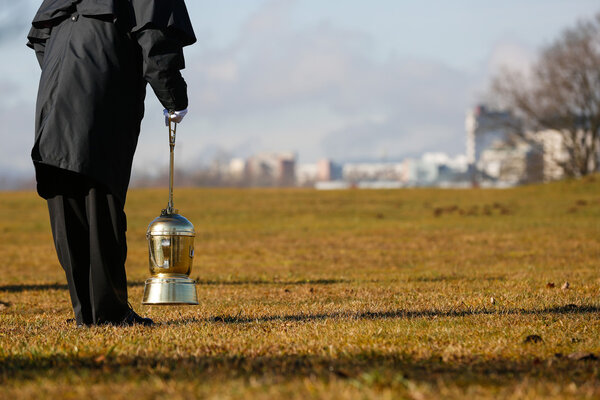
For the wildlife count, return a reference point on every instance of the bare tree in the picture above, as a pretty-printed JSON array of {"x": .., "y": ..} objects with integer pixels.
[{"x": 561, "y": 92}]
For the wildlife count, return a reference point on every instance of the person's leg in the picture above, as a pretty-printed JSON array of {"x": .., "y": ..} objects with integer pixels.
[
  {"x": 108, "y": 251},
  {"x": 88, "y": 225},
  {"x": 70, "y": 232}
]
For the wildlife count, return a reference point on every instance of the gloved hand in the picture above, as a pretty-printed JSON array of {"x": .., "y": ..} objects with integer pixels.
[{"x": 176, "y": 116}]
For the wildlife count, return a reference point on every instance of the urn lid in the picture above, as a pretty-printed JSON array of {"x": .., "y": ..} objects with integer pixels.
[{"x": 170, "y": 224}]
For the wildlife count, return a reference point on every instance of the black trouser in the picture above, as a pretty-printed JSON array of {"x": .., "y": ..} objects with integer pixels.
[{"x": 88, "y": 226}]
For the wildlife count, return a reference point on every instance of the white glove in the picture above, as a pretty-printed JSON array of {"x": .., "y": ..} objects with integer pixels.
[{"x": 176, "y": 116}]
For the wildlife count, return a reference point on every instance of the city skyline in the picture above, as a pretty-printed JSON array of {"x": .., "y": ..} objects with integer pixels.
[{"x": 340, "y": 80}]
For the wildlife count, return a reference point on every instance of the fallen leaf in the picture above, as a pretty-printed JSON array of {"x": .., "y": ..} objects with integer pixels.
[
  {"x": 533, "y": 339},
  {"x": 582, "y": 356},
  {"x": 341, "y": 373}
]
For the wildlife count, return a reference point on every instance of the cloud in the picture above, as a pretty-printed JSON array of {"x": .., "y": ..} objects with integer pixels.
[
  {"x": 15, "y": 17},
  {"x": 318, "y": 89},
  {"x": 274, "y": 67},
  {"x": 511, "y": 55}
]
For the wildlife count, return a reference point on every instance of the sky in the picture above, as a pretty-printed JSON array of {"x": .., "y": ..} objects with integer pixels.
[{"x": 341, "y": 79}]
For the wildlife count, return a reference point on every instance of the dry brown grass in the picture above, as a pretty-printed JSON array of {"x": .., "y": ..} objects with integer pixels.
[{"x": 350, "y": 294}]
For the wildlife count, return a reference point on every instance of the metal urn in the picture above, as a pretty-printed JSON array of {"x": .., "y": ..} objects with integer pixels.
[{"x": 171, "y": 250}]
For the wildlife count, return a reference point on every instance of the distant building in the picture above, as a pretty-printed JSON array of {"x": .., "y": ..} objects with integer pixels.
[
  {"x": 237, "y": 169},
  {"x": 286, "y": 170},
  {"x": 306, "y": 174},
  {"x": 498, "y": 154},
  {"x": 435, "y": 169},
  {"x": 554, "y": 153},
  {"x": 421, "y": 172},
  {"x": 272, "y": 169},
  {"x": 327, "y": 170},
  {"x": 511, "y": 163},
  {"x": 371, "y": 172},
  {"x": 485, "y": 128}
]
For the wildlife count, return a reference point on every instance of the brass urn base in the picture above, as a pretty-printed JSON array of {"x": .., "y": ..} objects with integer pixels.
[{"x": 169, "y": 290}]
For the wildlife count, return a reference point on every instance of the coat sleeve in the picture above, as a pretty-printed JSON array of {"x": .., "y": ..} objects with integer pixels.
[
  {"x": 162, "y": 62},
  {"x": 162, "y": 28},
  {"x": 37, "y": 41}
]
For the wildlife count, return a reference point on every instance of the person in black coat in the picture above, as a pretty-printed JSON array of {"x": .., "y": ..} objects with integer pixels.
[{"x": 96, "y": 58}]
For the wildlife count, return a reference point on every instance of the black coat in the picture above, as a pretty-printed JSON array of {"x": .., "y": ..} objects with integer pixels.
[{"x": 96, "y": 57}]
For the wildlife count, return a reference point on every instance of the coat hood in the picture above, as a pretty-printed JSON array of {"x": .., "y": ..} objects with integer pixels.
[
  {"x": 169, "y": 15},
  {"x": 51, "y": 12},
  {"x": 54, "y": 10}
]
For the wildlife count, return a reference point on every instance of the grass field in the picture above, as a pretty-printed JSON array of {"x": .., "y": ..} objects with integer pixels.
[{"x": 304, "y": 294}]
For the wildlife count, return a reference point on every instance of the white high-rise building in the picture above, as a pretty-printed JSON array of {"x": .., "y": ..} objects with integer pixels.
[
  {"x": 484, "y": 128},
  {"x": 498, "y": 151},
  {"x": 554, "y": 153}
]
